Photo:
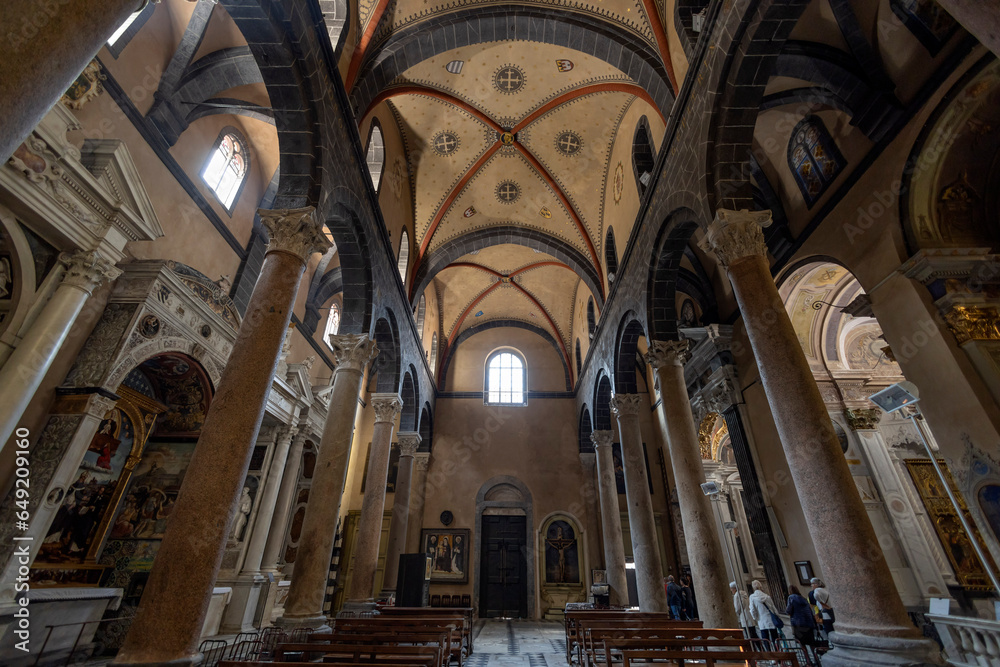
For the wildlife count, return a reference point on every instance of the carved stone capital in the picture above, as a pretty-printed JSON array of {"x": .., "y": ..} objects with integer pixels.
[
  {"x": 387, "y": 406},
  {"x": 408, "y": 443},
  {"x": 422, "y": 461},
  {"x": 287, "y": 434},
  {"x": 667, "y": 353},
  {"x": 353, "y": 351},
  {"x": 295, "y": 231},
  {"x": 99, "y": 406},
  {"x": 87, "y": 270},
  {"x": 736, "y": 235},
  {"x": 602, "y": 438},
  {"x": 626, "y": 405},
  {"x": 863, "y": 420}
]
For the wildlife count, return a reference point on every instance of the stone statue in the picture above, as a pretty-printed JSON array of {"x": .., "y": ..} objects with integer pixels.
[{"x": 244, "y": 511}]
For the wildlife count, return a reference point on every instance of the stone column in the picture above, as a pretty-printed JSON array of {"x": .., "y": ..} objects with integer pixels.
[
  {"x": 872, "y": 625},
  {"x": 408, "y": 443},
  {"x": 283, "y": 505},
  {"x": 167, "y": 627},
  {"x": 979, "y": 17},
  {"x": 590, "y": 493},
  {"x": 704, "y": 549},
  {"x": 46, "y": 46},
  {"x": 27, "y": 365},
  {"x": 418, "y": 498},
  {"x": 611, "y": 518},
  {"x": 641, "y": 523},
  {"x": 304, "y": 606},
  {"x": 359, "y": 597}
]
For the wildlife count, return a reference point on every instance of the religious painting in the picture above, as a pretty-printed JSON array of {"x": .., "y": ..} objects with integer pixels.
[
  {"x": 390, "y": 478},
  {"x": 957, "y": 544},
  {"x": 989, "y": 503},
  {"x": 183, "y": 386},
  {"x": 75, "y": 525},
  {"x": 153, "y": 491},
  {"x": 54, "y": 576},
  {"x": 616, "y": 455},
  {"x": 562, "y": 559},
  {"x": 448, "y": 550}
]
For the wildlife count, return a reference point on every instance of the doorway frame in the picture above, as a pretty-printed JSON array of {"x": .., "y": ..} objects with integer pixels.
[{"x": 525, "y": 506}]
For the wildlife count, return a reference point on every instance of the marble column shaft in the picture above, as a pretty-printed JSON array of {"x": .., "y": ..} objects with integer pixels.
[
  {"x": 418, "y": 493},
  {"x": 704, "y": 548},
  {"x": 46, "y": 46},
  {"x": 386, "y": 407},
  {"x": 304, "y": 605},
  {"x": 979, "y": 17},
  {"x": 27, "y": 365},
  {"x": 611, "y": 518},
  {"x": 266, "y": 502},
  {"x": 641, "y": 522},
  {"x": 872, "y": 624},
  {"x": 167, "y": 626},
  {"x": 408, "y": 443},
  {"x": 283, "y": 506}
]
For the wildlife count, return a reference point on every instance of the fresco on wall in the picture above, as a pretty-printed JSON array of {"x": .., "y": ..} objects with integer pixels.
[
  {"x": 182, "y": 385},
  {"x": 151, "y": 495},
  {"x": 74, "y": 527},
  {"x": 989, "y": 503},
  {"x": 562, "y": 560}
]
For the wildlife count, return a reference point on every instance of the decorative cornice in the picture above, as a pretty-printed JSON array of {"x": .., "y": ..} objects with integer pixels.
[
  {"x": 626, "y": 405},
  {"x": 352, "y": 351},
  {"x": 602, "y": 438},
  {"x": 295, "y": 231},
  {"x": 667, "y": 353},
  {"x": 408, "y": 443},
  {"x": 387, "y": 406},
  {"x": 863, "y": 419},
  {"x": 973, "y": 323},
  {"x": 87, "y": 270},
  {"x": 736, "y": 235}
]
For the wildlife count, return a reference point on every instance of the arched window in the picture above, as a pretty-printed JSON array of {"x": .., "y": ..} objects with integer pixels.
[
  {"x": 227, "y": 167},
  {"x": 404, "y": 255},
  {"x": 813, "y": 158},
  {"x": 434, "y": 352},
  {"x": 579, "y": 361},
  {"x": 129, "y": 28},
  {"x": 332, "y": 324},
  {"x": 591, "y": 318},
  {"x": 643, "y": 157},
  {"x": 420, "y": 315},
  {"x": 610, "y": 255},
  {"x": 376, "y": 154},
  {"x": 505, "y": 378}
]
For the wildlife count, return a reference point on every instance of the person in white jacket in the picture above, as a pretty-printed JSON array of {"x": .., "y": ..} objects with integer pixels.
[
  {"x": 761, "y": 608},
  {"x": 741, "y": 604}
]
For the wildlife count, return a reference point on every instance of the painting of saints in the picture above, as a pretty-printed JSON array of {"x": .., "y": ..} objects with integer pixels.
[
  {"x": 442, "y": 562},
  {"x": 447, "y": 554}
]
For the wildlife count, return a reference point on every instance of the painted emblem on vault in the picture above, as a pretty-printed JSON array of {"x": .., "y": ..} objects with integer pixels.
[
  {"x": 568, "y": 143},
  {"x": 509, "y": 79},
  {"x": 469, "y": 212},
  {"x": 445, "y": 143},
  {"x": 507, "y": 192},
  {"x": 455, "y": 66},
  {"x": 619, "y": 183},
  {"x": 564, "y": 65}
]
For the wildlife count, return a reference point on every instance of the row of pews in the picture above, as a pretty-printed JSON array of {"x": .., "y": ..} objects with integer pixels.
[
  {"x": 609, "y": 638},
  {"x": 395, "y": 637}
]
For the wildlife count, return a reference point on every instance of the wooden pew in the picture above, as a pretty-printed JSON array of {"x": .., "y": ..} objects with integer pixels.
[
  {"x": 251, "y": 663},
  {"x": 467, "y": 614},
  {"x": 575, "y": 617},
  {"x": 691, "y": 640},
  {"x": 636, "y": 622},
  {"x": 453, "y": 624},
  {"x": 362, "y": 652},
  {"x": 712, "y": 658},
  {"x": 372, "y": 631},
  {"x": 594, "y": 640}
]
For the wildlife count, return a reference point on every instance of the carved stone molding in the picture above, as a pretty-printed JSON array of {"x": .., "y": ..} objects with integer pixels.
[
  {"x": 736, "y": 235},
  {"x": 353, "y": 351},
  {"x": 408, "y": 443},
  {"x": 667, "y": 353},
  {"x": 87, "y": 270},
  {"x": 295, "y": 231},
  {"x": 863, "y": 420},
  {"x": 386, "y": 406},
  {"x": 973, "y": 323},
  {"x": 626, "y": 405},
  {"x": 602, "y": 438}
]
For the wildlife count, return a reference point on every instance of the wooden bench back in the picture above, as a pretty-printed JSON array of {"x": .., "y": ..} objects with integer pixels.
[{"x": 712, "y": 658}]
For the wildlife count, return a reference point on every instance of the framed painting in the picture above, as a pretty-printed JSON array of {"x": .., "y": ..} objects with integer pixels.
[{"x": 448, "y": 550}]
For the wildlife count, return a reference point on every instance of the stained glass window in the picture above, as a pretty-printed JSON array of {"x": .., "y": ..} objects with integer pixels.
[
  {"x": 505, "y": 379},
  {"x": 813, "y": 158},
  {"x": 226, "y": 169}
]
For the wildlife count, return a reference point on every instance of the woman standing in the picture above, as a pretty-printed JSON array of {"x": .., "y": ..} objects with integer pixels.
[
  {"x": 803, "y": 621},
  {"x": 764, "y": 612}
]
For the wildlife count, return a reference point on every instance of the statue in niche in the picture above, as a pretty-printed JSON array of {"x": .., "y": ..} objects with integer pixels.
[
  {"x": 242, "y": 514},
  {"x": 562, "y": 564}
]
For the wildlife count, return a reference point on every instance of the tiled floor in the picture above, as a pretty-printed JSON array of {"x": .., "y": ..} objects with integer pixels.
[{"x": 519, "y": 644}]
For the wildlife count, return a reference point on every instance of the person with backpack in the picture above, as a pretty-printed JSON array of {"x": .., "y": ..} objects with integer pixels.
[
  {"x": 803, "y": 620},
  {"x": 765, "y": 614}
]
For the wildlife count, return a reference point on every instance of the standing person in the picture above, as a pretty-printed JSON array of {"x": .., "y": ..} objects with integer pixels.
[
  {"x": 741, "y": 603},
  {"x": 687, "y": 600},
  {"x": 803, "y": 620},
  {"x": 822, "y": 598},
  {"x": 674, "y": 600},
  {"x": 764, "y": 612},
  {"x": 690, "y": 597}
]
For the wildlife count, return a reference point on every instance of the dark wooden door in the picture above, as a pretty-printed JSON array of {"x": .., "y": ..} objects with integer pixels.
[{"x": 504, "y": 563}]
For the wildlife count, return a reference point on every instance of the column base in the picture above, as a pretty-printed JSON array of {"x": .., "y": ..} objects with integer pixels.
[
  {"x": 857, "y": 650},
  {"x": 357, "y": 607},
  {"x": 317, "y": 623},
  {"x": 239, "y": 614}
]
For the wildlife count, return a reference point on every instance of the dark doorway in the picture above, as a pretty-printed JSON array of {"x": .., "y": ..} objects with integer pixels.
[{"x": 504, "y": 591}]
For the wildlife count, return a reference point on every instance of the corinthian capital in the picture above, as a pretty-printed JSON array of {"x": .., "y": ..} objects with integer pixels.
[
  {"x": 87, "y": 270},
  {"x": 408, "y": 443},
  {"x": 387, "y": 406},
  {"x": 864, "y": 420},
  {"x": 667, "y": 353},
  {"x": 353, "y": 351},
  {"x": 602, "y": 438},
  {"x": 623, "y": 405},
  {"x": 295, "y": 231},
  {"x": 736, "y": 235},
  {"x": 422, "y": 461}
]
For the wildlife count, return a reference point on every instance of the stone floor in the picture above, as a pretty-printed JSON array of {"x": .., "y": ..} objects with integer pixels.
[{"x": 519, "y": 644}]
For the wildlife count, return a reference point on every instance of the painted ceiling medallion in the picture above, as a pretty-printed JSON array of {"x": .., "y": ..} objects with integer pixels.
[
  {"x": 445, "y": 143},
  {"x": 507, "y": 192},
  {"x": 509, "y": 79},
  {"x": 619, "y": 183},
  {"x": 569, "y": 143},
  {"x": 507, "y": 138}
]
